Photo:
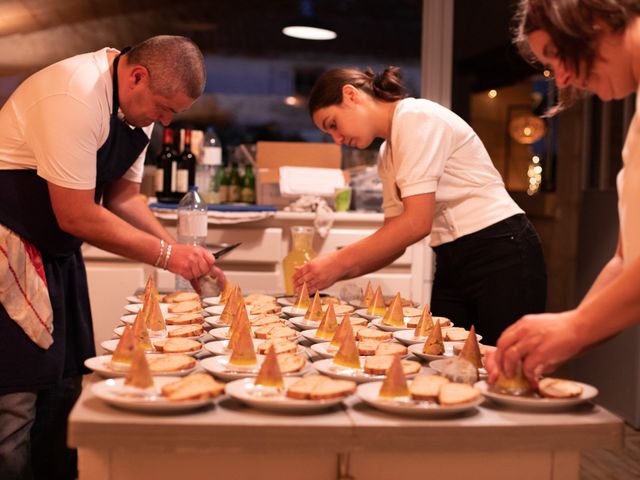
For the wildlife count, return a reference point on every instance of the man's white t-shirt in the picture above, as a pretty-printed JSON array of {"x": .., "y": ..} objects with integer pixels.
[
  {"x": 431, "y": 149},
  {"x": 58, "y": 118}
]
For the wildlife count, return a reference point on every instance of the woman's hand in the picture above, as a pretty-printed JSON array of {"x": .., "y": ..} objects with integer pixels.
[
  {"x": 541, "y": 341},
  {"x": 319, "y": 273}
]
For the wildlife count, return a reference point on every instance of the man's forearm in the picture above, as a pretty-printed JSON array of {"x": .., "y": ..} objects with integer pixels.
[{"x": 136, "y": 212}]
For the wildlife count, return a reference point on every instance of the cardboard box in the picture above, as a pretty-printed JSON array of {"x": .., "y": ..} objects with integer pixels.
[{"x": 270, "y": 156}]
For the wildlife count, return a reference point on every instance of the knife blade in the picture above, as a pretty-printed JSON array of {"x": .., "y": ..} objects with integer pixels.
[{"x": 225, "y": 250}]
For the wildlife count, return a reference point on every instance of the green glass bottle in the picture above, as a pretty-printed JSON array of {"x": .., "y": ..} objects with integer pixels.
[
  {"x": 248, "y": 192},
  {"x": 224, "y": 185},
  {"x": 234, "y": 184}
]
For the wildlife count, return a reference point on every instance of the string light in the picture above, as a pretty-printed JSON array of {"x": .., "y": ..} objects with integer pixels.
[{"x": 534, "y": 172}]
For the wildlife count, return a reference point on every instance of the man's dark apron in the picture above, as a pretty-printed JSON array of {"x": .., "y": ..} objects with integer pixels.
[{"x": 25, "y": 208}]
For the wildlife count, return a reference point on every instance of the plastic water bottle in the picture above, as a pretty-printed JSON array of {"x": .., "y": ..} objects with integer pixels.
[{"x": 192, "y": 226}]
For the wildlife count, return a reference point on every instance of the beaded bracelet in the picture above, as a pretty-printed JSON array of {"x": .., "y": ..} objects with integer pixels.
[
  {"x": 166, "y": 259},
  {"x": 159, "y": 259}
]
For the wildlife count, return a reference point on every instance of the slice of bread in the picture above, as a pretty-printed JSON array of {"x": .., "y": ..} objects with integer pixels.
[
  {"x": 411, "y": 312},
  {"x": 457, "y": 394},
  {"x": 557, "y": 388},
  {"x": 455, "y": 334},
  {"x": 367, "y": 347},
  {"x": 185, "y": 319},
  {"x": 373, "y": 334},
  {"x": 187, "y": 331},
  {"x": 281, "y": 345},
  {"x": 318, "y": 387},
  {"x": 185, "y": 307},
  {"x": 267, "y": 319},
  {"x": 391, "y": 348},
  {"x": 194, "y": 387},
  {"x": 177, "y": 297},
  {"x": 340, "y": 309},
  {"x": 290, "y": 363},
  {"x": 259, "y": 298},
  {"x": 426, "y": 387},
  {"x": 275, "y": 331},
  {"x": 170, "y": 363},
  {"x": 379, "y": 364},
  {"x": 264, "y": 308},
  {"x": 484, "y": 349},
  {"x": 179, "y": 345}
]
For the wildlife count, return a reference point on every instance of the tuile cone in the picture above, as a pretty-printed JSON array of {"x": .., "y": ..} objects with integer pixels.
[
  {"x": 377, "y": 304},
  {"x": 270, "y": 374},
  {"x": 226, "y": 293},
  {"x": 139, "y": 375},
  {"x": 395, "y": 383},
  {"x": 434, "y": 345},
  {"x": 243, "y": 352},
  {"x": 338, "y": 337},
  {"x": 394, "y": 315},
  {"x": 238, "y": 324},
  {"x": 516, "y": 385},
  {"x": 155, "y": 320},
  {"x": 471, "y": 350},
  {"x": 302, "y": 301},
  {"x": 150, "y": 288},
  {"x": 314, "y": 312},
  {"x": 126, "y": 346},
  {"x": 140, "y": 331},
  {"x": 368, "y": 295},
  {"x": 328, "y": 325},
  {"x": 347, "y": 355},
  {"x": 230, "y": 308},
  {"x": 425, "y": 324}
]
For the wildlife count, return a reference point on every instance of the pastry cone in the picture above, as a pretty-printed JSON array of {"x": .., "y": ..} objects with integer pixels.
[
  {"x": 338, "y": 337},
  {"x": 347, "y": 355},
  {"x": 395, "y": 383},
  {"x": 314, "y": 312},
  {"x": 434, "y": 345},
  {"x": 425, "y": 324},
  {"x": 394, "y": 316},
  {"x": 139, "y": 375},
  {"x": 302, "y": 301},
  {"x": 155, "y": 320},
  {"x": 368, "y": 295},
  {"x": 329, "y": 324},
  {"x": 471, "y": 349},
  {"x": 269, "y": 374},
  {"x": 243, "y": 353},
  {"x": 126, "y": 346},
  {"x": 226, "y": 293},
  {"x": 239, "y": 322},
  {"x": 376, "y": 307},
  {"x": 230, "y": 308},
  {"x": 140, "y": 331}
]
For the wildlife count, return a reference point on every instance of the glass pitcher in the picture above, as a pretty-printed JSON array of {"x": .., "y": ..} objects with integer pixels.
[{"x": 301, "y": 252}]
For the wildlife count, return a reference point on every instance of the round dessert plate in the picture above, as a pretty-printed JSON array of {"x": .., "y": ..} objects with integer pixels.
[
  {"x": 311, "y": 335},
  {"x": 324, "y": 349},
  {"x": 439, "y": 365},
  {"x": 214, "y": 321},
  {"x": 102, "y": 365},
  {"x": 244, "y": 391},
  {"x": 416, "y": 349},
  {"x": 219, "y": 347},
  {"x": 389, "y": 328},
  {"x": 170, "y": 328},
  {"x": 211, "y": 300},
  {"x": 217, "y": 309},
  {"x": 219, "y": 367},
  {"x": 368, "y": 393},
  {"x": 134, "y": 299},
  {"x": 303, "y": 324},
  {"x": 110, "y": 346},
  {"x": 136, "y": 307},
  {"x": 328, "y": 368},
  {"x": 363, "y": 313},
  {"x": 289, "y": 311},
  {"x": 114, "y": 392},
  {"x": 536, "y": 402}
]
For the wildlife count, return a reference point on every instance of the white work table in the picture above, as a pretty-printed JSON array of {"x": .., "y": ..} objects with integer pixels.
[{"x": 236, "y": 442}]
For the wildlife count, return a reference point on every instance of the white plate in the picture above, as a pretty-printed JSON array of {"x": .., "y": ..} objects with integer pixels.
[
  {"x": 102, "y": 366},
  {"x": 217, "y": 309},
  {"x": 107, "y": 390},
  {"x": 241, "y": 390},
  {"x": 303, "y": 324},
  {"x": 324, "y": 349},
  {"x": 136, "y": 307},
  {"x": 328, "y": 368},
  {"x": 219, "y": 347},
  {"x": 120, "y": 330},
  {"x": 286, "y": 301},
  {"x": 389, "y": 328},
  {"x": 293, "y": 312},
  {"x": 311, "y": 335},
  {"x": 363, "y": 313},
  {"x": 439, "y": 365},
  {"x": 539, "y": 403},
  {"x": 110, "y": 346},
  {"x": 217, "y": 366},
  {"x": 368, "y": 393},
  {"x": 406, "y": 337},
  {"x": 211, "y": 300},
  {"x": 416, "y": 349},
  {"x": 134, "y": 299}
]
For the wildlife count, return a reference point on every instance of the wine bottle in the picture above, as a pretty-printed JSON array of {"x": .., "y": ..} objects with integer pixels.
[
  {"x": 166, "y": 162},
  {"x": 186, "y": 166}
]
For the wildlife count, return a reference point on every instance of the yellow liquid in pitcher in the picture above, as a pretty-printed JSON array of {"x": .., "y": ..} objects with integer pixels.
[{"x": 294, "y": 259}]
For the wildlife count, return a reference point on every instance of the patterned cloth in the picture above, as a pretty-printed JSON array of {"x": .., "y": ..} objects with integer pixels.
[{"x": 23, "y": 287}]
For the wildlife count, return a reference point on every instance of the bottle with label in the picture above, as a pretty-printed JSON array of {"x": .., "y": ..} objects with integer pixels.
[
  {"x": 209, "y": 169},
  {"x": 234, "y": 184},
  {"x": 167, "y": 167},
  {"x": 192, "y": 226},
  {"x": 248, "y": 192},
  {"x": 186, "y": 173},
  {"x": 301, "y": 252}
]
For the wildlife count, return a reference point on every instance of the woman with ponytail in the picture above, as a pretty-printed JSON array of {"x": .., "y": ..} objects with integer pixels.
[{"x": 437, "y": 180}]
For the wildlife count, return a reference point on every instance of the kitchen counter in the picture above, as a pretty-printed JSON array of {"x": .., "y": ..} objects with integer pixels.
[{"x": 230, "y": 440}]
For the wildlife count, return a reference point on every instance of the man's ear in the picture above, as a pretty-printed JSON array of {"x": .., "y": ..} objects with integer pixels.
[
  {"x": 350, "y": 94},
  {"x": 138, "y": 75}
]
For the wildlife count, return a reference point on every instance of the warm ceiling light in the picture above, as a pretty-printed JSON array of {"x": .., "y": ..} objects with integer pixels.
[
  {"x": 292, "y": 101},
  {"x": 492, "y": 93},
  {"x": 546, "y": 73},
  {"x": 307, "y": 26}
]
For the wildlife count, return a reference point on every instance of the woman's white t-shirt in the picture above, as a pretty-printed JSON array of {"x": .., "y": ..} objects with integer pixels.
[
  {"x": 431, "y": 149},
  {"x": 58, "y": 118}
]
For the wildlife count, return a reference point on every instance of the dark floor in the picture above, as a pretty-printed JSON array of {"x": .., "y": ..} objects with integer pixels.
[{"x": 623, "y": 464}]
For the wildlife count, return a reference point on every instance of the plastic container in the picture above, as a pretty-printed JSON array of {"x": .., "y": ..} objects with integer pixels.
[{"x": 192, "y": 226}]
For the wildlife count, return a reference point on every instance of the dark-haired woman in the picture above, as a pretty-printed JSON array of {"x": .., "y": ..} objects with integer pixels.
[
  {"x": 591, "y": 46},
  {"x": 437, "y": 179}
]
